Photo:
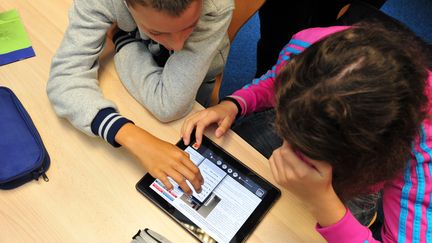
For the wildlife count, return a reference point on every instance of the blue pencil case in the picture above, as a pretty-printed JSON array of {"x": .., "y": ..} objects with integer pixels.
[{"x": 23, "y": 156}]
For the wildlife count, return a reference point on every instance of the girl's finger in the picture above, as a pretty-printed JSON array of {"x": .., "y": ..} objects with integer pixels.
[
  {"x": 283, "y": 168},
  {"x": 322, "y": 167},
  {"x": 223, "y": 127},
  {"x": 189, "y": 125},
  {"x": 202, "y": 124},
  {"x": 273, "y": 169},
  {"x": 301, "y": 166}
]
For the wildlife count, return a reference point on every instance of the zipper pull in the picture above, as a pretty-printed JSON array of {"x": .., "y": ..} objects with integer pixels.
[
  {"x": 45, "y": 177},
  {"x": 40, "y": 173}
]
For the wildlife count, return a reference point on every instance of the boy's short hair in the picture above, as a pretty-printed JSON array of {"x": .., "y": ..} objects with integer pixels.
[{"x": 173, "y": 7}]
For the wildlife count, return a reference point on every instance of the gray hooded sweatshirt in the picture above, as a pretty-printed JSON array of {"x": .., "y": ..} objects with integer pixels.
[{"x": 168, "y": 92}]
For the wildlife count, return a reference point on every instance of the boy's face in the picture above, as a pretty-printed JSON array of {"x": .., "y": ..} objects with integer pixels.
[{"x": 170, "y": 31}]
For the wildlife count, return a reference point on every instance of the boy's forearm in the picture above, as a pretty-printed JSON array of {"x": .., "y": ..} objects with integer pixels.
[
  {"x": 72, "y": 86},
  {"x": 169, "y": 92},
  {"x": 127, "y": 136}
]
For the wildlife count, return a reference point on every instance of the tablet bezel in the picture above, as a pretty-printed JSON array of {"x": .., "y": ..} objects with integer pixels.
[{"x": 271, "y": 196}]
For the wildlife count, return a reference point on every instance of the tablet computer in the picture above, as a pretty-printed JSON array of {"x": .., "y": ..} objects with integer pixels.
[{"x": 232, "y": 202}]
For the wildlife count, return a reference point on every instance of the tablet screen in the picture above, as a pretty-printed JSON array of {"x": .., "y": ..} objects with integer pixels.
[{"x": 231, "y": 193}]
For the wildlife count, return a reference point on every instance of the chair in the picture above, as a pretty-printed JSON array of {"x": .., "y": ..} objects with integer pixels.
[{"x": 244, "y": 10}]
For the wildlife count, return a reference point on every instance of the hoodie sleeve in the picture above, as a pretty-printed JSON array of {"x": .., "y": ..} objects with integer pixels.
[
  {"x": 169, "y": 92},
  {"x": 73, "y": 87}
]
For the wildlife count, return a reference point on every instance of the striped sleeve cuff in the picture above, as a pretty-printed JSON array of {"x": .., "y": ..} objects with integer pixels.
[
  {"x": 241, "y": 102},
  {"x": 233, "y": 100},
  {"x": 122, "y": 38},
  {"x": 107, "y": 123}
]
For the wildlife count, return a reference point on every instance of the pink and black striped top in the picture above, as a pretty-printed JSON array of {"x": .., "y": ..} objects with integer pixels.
[{"x": 406, "y": 198}]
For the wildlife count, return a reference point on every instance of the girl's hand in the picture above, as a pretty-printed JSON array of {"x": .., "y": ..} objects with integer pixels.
[
  {"x": 223, "y": 114},
  {"x": 161, "y": 159},
  {"x": 310, "y": 181}
]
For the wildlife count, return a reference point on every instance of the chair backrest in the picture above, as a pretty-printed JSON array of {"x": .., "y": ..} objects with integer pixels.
[{"x": 244, "y": 10}]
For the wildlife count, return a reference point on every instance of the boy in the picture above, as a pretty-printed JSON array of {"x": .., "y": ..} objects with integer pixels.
[{"x": 164, "y": 51}]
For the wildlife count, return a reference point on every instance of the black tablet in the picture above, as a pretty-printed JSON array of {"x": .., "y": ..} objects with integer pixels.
[{"x": 233, "y": 199}]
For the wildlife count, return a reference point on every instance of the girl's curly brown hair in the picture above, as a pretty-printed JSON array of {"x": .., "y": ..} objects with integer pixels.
[{"x": 355, "y": 99}]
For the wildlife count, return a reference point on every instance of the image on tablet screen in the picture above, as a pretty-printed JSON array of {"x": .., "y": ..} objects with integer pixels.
[{"x": 226, "y": 201}]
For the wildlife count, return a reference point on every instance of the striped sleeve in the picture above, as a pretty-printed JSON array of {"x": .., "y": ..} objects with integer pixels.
[
  {"x": 122, "y": 38},
  {"x": 107, "y": 123},
  {"x": 259, "y": 94},
  {"x": 406, "y": 199},
  {"x": 407, "y": 202}
]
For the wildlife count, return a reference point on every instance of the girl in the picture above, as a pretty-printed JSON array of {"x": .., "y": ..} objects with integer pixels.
[{"x": 352, "y": 106}]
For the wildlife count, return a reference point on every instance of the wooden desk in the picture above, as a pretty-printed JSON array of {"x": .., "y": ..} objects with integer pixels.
[{"x": 91, "y": 195}]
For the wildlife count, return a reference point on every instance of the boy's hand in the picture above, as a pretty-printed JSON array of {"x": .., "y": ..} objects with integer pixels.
[
  {"x": 223, "y": 114},
  {"x": 310, "y": 181},
  {"x": 112, "y": 31},
  {"x": 161, "y": 159}
]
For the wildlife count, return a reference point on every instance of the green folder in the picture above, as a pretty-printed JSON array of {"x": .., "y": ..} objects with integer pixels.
[{"x": 15, "y": 44}]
